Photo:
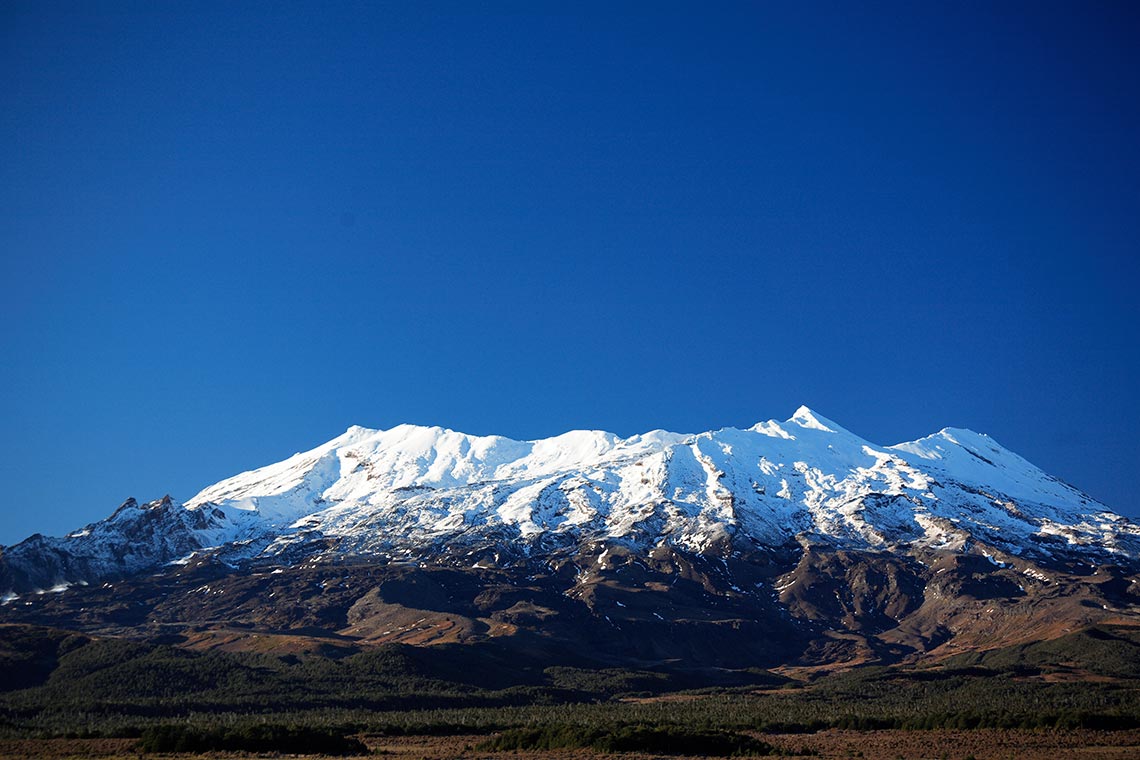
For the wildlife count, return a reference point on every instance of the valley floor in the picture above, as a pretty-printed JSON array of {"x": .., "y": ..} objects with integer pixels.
[{"x": 981, "y": 744}]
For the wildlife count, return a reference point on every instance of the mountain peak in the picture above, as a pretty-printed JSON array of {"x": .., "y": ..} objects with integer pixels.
[{"x": 806, "y": 418}]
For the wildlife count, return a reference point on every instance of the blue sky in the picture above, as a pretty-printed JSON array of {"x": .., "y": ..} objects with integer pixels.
[{"x": 227, "y": 234}]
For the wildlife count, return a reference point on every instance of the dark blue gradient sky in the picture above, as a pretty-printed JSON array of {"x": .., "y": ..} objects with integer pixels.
[{"x": 227, "y": 234}]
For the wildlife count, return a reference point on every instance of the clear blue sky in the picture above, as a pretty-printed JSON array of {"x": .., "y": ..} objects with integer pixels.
[{"x": 226, "y": 234}]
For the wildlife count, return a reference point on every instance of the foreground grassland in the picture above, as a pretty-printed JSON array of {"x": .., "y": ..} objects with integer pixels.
[{"x": 64, "y": 695}]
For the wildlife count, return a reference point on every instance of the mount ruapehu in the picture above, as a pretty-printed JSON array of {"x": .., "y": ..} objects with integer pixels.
[{"x": 794, "y": 545}]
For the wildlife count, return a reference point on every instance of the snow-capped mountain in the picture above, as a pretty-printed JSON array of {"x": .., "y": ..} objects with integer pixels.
[{"x": 435, "y": 494}]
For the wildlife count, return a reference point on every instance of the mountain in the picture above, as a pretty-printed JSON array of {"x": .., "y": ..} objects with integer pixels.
[{"x": 794, "y": 540}]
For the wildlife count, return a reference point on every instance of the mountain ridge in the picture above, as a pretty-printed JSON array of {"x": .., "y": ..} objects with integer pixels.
[{"x": 429, "y": 491}]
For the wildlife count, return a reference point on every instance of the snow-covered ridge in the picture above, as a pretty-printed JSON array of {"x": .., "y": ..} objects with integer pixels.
[
  {"x": 415, "y": 490},
  {"x": 363, "y": 462},
  {"x": 775, "y": 482}
]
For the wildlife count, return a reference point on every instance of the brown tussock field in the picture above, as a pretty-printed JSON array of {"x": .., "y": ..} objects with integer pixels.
[{"x": 981, "y": 744}]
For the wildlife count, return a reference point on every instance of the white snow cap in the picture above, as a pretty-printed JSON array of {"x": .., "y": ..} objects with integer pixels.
[
  {"x": 806, "y": 418},
  {"x": 807, "y": 475}
]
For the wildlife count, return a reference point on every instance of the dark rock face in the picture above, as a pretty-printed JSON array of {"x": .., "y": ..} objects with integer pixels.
[
  {"x": 607, "y": 604},
  {"x": 135, "y": 538},
  {"x": 867, "y": 592}
]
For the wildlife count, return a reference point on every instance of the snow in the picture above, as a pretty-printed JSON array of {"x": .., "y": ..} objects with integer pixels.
[
  {"x": 974, "y": 458},
  {"x": 412, "y": 489},
  {"x": 415, "y": 484},
  {"x": 806, "y": 418},
  {"x": 1036, "y": 575},
  {"x": 994, "y": 562}
]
